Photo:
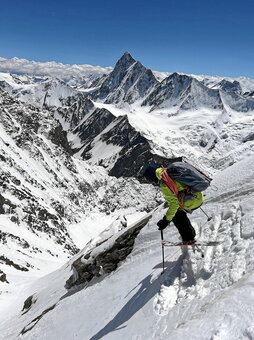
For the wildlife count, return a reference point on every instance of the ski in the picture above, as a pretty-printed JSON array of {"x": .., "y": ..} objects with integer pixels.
[{"x": 197, "y": 244}]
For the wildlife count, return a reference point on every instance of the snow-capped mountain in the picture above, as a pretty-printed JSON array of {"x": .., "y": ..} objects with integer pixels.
[
  {"x": 76, "y": 223},
  {"x": 183, "y": 92},
  {"x": 129, "y": 81}
]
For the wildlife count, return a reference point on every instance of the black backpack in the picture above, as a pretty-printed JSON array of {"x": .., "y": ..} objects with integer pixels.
[{"x": 193, "y": 178}]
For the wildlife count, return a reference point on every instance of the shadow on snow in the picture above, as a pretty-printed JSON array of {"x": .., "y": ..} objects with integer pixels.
[{"x": 148, "y": 289}]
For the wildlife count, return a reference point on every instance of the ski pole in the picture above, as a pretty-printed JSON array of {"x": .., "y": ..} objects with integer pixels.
[
  {"x": 208, "y": 217},
  {"x": 162, "y": 248}
]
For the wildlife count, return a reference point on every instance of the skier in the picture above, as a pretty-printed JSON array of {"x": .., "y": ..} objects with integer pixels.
[{"x": 177, "y": 206}]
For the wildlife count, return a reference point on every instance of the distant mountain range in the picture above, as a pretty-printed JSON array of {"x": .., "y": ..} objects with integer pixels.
[
  {"x": 52, "y": 69},
  {"x": 117, "y": 117}
]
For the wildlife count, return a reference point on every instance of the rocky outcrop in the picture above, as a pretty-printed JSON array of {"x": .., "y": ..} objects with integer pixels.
[
  {"x": 114, "y": 79},
  {"x": 3, "y": 277},
  {"x": 248, "y": 138},
  {"x": 136, "y": 151},
  {"x": 93, "y": 125},
  {"x": 59, "y": 137},
  {"x": 9, "y": 262},
  {"x": 87, "y": 267},
  {"x": 28, "y": 304},
  {"x": 6, "y": 205}
]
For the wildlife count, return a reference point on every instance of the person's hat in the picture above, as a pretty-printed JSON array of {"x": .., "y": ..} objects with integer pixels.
[{"x": 150, "y": 174}]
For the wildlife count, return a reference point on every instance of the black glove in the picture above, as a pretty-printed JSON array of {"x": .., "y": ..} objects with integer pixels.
[{"x": 162, "y": 224}]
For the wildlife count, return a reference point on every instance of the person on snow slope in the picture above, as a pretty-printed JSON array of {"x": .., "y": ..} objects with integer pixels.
[{"x": 178, "y": 206}]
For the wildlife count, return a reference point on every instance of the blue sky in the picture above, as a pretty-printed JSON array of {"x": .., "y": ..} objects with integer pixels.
[{"x": 192, "y": 36}]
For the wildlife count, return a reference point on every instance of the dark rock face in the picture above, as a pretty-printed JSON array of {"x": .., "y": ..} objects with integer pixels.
[
  {"x": 3, "y": 277},
  {"x": 7, "y": 203},
  {"x": 135, "y": 151},
  {"x": 9, "y": 262},
  {"x": 171, "y": 88},
  {"x": 107, "y": 261},
  {"x": 59, "y": 137},
  {"x": 229, "y": 86},
  {"x": 74, "y": 109},
  {"x": 94, "y": 125},
  {"x": 28, "y": 304},
  {"x": 249, "y": 138}
]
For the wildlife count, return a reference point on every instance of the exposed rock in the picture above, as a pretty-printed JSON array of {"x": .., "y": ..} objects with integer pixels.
[
  {"x": 184, "y": 93},
  {"x": 108, "y": 260},
  {"x": 5, "y": 202},
  {"x": 28, "y": 304},
  {"x": 59, "y": 137},
  {"x": 94, "y": 125},
  {"x": 114, "y": 79},
  {"x": 133, "y": 151},
  {"x": 3, "y": 277},
  {"x": 34, "y": 322},
  {"x": 229, "y": 86},
  {"x": 74, "y": 109},
  {"x": 249, "y": 138},
  {"x": 11, "y": 263}
]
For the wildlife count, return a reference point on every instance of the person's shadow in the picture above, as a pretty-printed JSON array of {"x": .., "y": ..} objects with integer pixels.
[{"x": 146, "y": 291}]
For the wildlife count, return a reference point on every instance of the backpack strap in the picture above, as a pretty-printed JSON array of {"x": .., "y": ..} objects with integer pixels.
[
  {"x": 169, "y": 182},
  {"x": 173, "y": 188}
]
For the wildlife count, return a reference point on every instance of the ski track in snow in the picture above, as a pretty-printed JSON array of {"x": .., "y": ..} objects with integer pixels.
[{"x": 211, "y": 271}]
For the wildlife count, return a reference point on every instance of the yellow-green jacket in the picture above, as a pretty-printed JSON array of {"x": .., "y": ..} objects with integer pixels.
[{"x": 173, "y": 203}]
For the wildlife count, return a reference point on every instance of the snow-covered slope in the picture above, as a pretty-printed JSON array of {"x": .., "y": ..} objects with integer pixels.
[
  {"x": 59, "y": 142},
  {"x": 205, "y": 293},
  {"x": 49, "y": 201},
  {"x": 42, "y": 92}
]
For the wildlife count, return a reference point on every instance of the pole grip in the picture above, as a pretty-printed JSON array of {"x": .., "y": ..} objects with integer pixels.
[{"x": 162, "y": 235}]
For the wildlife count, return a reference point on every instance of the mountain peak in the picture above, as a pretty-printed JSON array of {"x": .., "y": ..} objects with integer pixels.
[
  {"x": 125, "y": 61},
  {"x": 127, "y": 55}
]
